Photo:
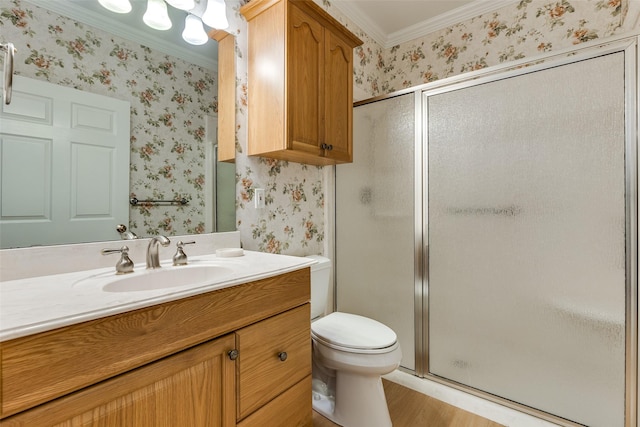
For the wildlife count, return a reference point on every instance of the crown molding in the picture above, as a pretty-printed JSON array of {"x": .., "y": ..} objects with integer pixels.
[
  {"x": 421, "y": 29},
  {"x": 372, "y": 29},
  {"x": 447, "y": 19},
  {"x": 112, "y": 26}
]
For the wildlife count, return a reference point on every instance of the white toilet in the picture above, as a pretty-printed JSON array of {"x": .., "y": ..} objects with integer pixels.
[{"x": 350, "y": 354}]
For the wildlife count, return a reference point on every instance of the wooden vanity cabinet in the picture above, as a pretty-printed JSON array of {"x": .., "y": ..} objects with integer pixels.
[
  {"x": 300, "y": 83},
  {"x": 171, "y": 364}
]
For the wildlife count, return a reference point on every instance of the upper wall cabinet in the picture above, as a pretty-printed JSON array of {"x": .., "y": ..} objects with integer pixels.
[{"x": 300, "y": 83}]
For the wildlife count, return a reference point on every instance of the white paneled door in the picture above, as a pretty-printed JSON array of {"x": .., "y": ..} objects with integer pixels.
[{"x": 64, "y": 173}]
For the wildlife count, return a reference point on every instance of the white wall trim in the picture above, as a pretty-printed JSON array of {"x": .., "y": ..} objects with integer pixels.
[
  {"x": 447, "y": 19},
  {"x": 372, "y": 29},
  {"x": 421, "y": 29}
]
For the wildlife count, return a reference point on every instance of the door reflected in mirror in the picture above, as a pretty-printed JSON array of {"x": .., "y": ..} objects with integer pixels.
[{"x": 172, "y": 92}]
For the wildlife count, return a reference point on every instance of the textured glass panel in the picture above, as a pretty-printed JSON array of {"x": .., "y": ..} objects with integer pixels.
[
  {"x": 375, "y": 217},
  {"x": 527, "y": 239}
]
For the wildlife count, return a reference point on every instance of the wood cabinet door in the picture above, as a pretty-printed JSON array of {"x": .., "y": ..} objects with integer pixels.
[
  {"x": 195, "y": 387},
  {"x": 338, "y": 88},
  {"x": 263, "y": 372},
  {"x": 305, "y": 74}
]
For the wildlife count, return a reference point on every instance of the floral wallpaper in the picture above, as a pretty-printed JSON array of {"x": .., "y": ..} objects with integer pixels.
[
  {"x": 525, "y": 29},
  {"x": 294, "y": 221},
  {"x": 170, "y": 99},
  {"x": 528, "y": 28}
]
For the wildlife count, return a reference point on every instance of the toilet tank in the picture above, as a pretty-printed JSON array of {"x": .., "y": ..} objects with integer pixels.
[{"x": 320, "y": 274}]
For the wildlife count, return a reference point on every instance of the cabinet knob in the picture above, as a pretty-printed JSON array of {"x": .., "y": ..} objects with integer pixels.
[
  {"x": 282, "y": 356},
  {"x": 327, "y": 147},
  {"x": 233, "y": 354}
]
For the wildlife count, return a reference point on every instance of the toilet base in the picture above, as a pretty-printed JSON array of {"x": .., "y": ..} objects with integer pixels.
[{"x": 360, "y": 402}]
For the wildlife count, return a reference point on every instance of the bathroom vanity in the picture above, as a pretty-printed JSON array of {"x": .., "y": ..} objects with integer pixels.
[{"x": 237, "y": 353}]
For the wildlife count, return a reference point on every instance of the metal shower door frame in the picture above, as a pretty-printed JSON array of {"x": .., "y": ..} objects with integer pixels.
[{"x": 627, "y": 44}]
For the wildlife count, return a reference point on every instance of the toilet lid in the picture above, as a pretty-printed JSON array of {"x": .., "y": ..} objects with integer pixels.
[{"x": 353, "y": 331}]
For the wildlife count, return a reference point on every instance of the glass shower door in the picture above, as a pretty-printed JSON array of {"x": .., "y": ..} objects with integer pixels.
[
  {"x": 526, "y": 234},
  {"x": 375, "y": 219}
]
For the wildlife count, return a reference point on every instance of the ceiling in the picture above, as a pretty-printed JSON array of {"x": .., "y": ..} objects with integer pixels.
[{"x": 391, "y": 22}]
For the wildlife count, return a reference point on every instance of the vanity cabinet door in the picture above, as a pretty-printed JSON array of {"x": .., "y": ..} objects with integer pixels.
[
  {"x": 195, "y": 387},
  {"x": 274, "y": 355}
]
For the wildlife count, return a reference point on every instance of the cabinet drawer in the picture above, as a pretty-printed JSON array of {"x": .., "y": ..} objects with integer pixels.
[
  {"x": 291, "y": 409},
  {"x": 262, "y": 373}
]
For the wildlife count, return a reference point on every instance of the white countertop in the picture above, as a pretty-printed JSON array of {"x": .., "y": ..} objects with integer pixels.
[{"x": 38, "y": 304}]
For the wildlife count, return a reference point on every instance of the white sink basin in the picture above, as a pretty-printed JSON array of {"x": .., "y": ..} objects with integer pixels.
[{"x": 167, "y": 277}]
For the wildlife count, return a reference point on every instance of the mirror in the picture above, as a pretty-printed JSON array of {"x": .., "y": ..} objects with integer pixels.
[{"x": 172, "y": 90}]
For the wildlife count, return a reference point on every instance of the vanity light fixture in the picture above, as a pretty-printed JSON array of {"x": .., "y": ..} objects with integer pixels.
[
  {"x": 117, "y": 6},
  {"x": 156, "y": 15},
  {"x": 215, "y": 15},
  {"x": 182, "y": 4},
  {"x": 194, "y": 31}
]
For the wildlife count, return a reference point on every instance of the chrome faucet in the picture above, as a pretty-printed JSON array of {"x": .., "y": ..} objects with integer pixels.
[
  {"x": 124, "y": 233},
  {"x": 153, "y": 260}
]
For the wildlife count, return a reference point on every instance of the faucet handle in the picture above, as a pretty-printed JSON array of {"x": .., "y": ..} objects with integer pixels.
[
  {"x": 180, "y": 258},
  {"x": 124, "y": 264}
]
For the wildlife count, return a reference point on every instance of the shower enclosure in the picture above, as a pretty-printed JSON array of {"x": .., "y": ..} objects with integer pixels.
[{"x": 491, "y": 221}]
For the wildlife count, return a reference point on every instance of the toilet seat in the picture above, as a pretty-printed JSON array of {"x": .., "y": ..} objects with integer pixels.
[{"x": 353, "y": 333}]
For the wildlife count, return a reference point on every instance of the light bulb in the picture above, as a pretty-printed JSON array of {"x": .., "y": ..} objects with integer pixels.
[
  {"x": 194, "y": 31},
  {"x": 117, "y": 6},
  {"x": 182, "y": 4},
  {"x": 156, "y": 15},
  {"x": 215, "y": 15}
]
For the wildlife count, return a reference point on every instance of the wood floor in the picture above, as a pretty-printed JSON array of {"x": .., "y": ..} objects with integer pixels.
[{"x": 408, "y": 408}]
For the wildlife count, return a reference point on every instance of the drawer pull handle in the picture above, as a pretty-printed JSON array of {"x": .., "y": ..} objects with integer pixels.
[
  {"x": 282, "y": 356},
  {"x": 233, "y": 354}
]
